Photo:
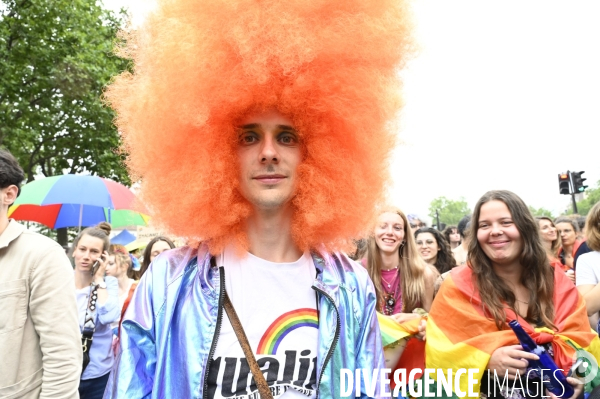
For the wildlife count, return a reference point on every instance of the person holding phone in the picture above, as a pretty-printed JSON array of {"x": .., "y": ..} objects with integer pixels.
[{"x": 90, "y": 253}]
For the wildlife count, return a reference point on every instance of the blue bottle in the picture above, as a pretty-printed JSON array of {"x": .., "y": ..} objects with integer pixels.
[{"x": 553, "y": 378}]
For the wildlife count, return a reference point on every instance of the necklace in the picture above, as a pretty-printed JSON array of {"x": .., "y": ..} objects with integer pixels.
[
  {"x": 389, "y": 299},
  {"x": 389, "y": 302},
  {"x": 389, "y": 284}
]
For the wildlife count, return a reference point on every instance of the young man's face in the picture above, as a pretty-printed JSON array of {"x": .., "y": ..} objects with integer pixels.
[{"x": 268, "y": 154}]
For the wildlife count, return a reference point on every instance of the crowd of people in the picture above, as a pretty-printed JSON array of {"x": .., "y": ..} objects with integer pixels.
[
  {"x": 262, "y": 132},
  {"x": 514, "y": 268},
  {"x": 510, "y": 273}
]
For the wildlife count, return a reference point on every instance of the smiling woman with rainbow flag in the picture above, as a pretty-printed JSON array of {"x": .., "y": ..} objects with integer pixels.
[{"x": 508, "y": 277}]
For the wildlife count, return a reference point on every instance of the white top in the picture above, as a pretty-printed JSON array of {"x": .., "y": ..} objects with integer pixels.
[
  {"x": 101, "y": 354},
  {"x": 588, "y": 268},
  {"x": 122, "y": 298},
  {"x": 278, "y": 311}
]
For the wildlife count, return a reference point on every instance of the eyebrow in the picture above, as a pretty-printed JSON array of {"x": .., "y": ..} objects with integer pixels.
[
  {"x": 257, "y": 125},
  {"x": 499, "y": 219}
]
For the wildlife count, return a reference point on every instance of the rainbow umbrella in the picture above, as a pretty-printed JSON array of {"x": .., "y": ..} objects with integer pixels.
[
  {"x": 76, "y": 200},
  {"x": 67, "y": 215}
]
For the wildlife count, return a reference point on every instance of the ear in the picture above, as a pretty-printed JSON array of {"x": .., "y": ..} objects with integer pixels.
[{"x": 9, "y": 195}]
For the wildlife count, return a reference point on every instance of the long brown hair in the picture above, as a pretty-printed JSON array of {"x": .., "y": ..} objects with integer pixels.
[
  {"x": 537, "y": 274},
  {"x": 445, "y": 260},
  {"x": 148, "y": 253},
  {"x": 556, "y": 244},
  {"x": 411, "y": 268}
]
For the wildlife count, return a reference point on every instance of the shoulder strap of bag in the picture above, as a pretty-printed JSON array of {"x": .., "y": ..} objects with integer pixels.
[
  {"x": 89, "y": 325},
  {"x": 261, "y": 383}
]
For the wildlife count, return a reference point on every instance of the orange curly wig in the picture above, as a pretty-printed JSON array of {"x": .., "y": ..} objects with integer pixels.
[{"x": 331, "y": 66}]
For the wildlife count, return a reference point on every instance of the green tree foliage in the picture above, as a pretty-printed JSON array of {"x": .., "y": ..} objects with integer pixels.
[
  {"x": 56, "y": 57},
  {"x": 541, "y": 212},
  {"x": 71, "y": 232},
  {"x": 450, "y": 211},
  {"x": 592, "y": 196}
]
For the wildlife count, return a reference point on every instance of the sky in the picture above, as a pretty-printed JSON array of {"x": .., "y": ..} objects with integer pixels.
[{"x": 501, "y": 95}]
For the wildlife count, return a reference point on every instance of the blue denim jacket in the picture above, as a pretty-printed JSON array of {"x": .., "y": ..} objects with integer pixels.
[{"x": 170, "y": 330}]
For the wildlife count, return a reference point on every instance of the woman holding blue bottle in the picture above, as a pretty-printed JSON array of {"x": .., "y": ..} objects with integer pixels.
[{"x": 508, "y": 277}]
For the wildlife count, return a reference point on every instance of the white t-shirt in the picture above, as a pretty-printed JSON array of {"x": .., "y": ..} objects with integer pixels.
[
  {"x": 588, "y": 268},
  {"x": 278, "y": 310}
]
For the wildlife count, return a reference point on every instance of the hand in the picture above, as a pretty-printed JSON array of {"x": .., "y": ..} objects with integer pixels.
[
  {"x": 404, "y": 317},
  {"x": 512, "y": 359},
  {"x": 421, "y": 334},
  {"x": 577, "y": 385},
  {"x": 102, "y": 262},
  {"x": 571, "y": 275}
]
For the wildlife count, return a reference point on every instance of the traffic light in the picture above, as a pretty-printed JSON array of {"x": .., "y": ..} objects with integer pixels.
[
  {"x": 563, "y": 183},
  {"x": 578, "y": 186}
]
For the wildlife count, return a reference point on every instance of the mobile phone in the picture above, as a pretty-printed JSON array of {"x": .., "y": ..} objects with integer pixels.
[{"x": 95, "y": 267}]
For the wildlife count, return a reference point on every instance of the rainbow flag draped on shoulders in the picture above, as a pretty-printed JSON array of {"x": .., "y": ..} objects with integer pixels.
[{"x": 460, "y": 336}]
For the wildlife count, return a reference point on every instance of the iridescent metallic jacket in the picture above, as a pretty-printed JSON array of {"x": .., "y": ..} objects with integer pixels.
[{"x": 169, "y": 330}]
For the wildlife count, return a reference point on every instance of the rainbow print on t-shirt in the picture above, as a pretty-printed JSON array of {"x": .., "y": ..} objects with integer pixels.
[{"x": 283, "y": 325}]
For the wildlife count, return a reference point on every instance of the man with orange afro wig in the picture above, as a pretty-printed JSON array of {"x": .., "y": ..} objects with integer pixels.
[{"x": 261, "y": 131}]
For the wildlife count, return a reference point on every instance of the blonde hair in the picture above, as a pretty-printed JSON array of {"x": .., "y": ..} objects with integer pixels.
[
  {"x": 411, "y": 267},
  {"x": 122, "y": 257}
]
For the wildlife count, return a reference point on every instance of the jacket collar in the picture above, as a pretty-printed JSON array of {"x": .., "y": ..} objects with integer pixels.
[
  {"x": 327, "y": 265},
  {"x": 328, "y": 279},
  {"x": 12, "y": 232}
]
